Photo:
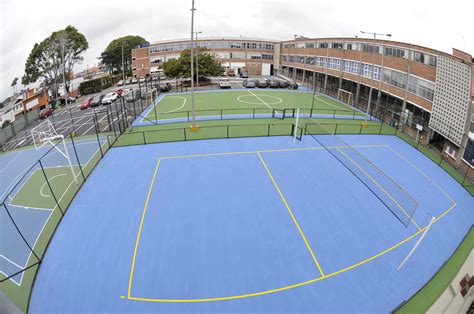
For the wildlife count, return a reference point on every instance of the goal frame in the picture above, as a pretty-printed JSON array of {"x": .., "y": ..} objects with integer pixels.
[{"x": 350, "y": 96}]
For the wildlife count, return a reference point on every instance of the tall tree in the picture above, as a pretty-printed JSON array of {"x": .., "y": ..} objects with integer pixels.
[
  {"x": 111, "y": 57},
  {"x": 13, "y": 84},
  {"x": 46, "y": 58},
  {"x": 181, "y": 67}
]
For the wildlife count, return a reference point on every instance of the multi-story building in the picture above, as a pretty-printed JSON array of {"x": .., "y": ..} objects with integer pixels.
[
  {"x": 255, "y": 55},
  {"x": 429, "y": 90}
]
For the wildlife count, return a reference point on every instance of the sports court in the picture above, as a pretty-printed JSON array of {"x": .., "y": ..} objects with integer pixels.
[
  {"x": 245, "y": 103},
  {"x": 29, "y": 199},
  {"x": 252, "y": 224}
]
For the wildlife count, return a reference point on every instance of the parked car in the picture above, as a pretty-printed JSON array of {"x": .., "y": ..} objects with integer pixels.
[
  {"x": 272, "y": 83},
  {"x": 244, "y": 74},
  {"x": 284, "y": 84},
  {"x": 249, "y": 84},
  {"x": 109, "y": 98},
  {"x": 120, "y": 83},
  {"x": 224, "y": 83},
  {"x": 97, "y": 100},
  {"x": 293, "y": 85},
  {"x": 86, "y": 103},
  {"x": 132, "y": 95},
  {"x": 43, "y": 114},
  {"x": 134, "y": 81},
  {"x": 141, "y": 80},
  {"x": 71, "y": 99},
  {"x": 261, "y": 84},
  {"x": 165, "y": 87}
]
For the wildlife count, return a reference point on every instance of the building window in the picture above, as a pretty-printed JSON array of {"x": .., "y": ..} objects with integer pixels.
[
  {"x": 394, "y": 52},
  {"x": 323, "y": 45},
  {"x": 370, "y": 48},
  {"x": 420, "y": 57},
  {"x": 450, "y": 151}
]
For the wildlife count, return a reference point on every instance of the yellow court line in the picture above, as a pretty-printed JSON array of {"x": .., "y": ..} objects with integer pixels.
[
  {"x": 233, "y": 297},
  {"x": 132, "y": 269},
  {"x": 285, "y": 287},
  {"x": 300, "y": 284},
  {"x": 267, "y": 151},
  {"x": 373, "y": 180},
  {"x": 291, "y": 214}
]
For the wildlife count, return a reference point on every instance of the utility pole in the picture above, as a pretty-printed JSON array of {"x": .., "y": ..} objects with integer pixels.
[
  {"x": 123, "y": 66},
  {"x": 193, "y": 124},
  {"x": 197, "y": 60},
  {"x": 63, "y": 65},
  {"x": 373, "y": 66}
]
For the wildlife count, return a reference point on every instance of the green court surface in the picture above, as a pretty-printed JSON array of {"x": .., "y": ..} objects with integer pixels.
[
  {"x": 36, "y": 193},
  {"x": 426, "y": 296},
  {"x": 213, "y": 129},
  {"x": 237, "y": 102}
]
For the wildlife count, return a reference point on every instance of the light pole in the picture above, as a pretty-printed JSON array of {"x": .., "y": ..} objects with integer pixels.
[
  {"x": 373, "y": 65},
  {"x": 63, "y": 39},
  {"x": 123, "y": 66},
  {"x": 197, "y": 60},
  {"x": 193, "y": 124},
  {"x": 294, "y": 59},
  {"x": 327, "y": 66}
]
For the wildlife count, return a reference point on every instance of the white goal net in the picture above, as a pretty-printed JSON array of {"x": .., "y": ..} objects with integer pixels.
[{"x": 44, "y": 130}]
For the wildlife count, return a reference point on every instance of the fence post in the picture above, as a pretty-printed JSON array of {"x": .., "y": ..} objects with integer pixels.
[
  {"x": 97, "y": 135},
  {"x": 334, "y": 114},
  {"x": 49, "y": 185},
  {"x": 77, "y": 157},
  {"x": 19, "y": 232},
  {"x": 465, "y": 175},
  {"x": 184, "y": 131},
  {"x": 381, "y": 125},
  {"x": 144, "y": 138},
  {"x": 335, "y": 130},
  {"x": 227, "y": 129},
  {"x": 253, "y": 113},
  {"x": 360, "y": 129},
  {"x": 269, "y": 130}
]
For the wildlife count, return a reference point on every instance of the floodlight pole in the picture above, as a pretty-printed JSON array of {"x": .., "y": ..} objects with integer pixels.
[
  {"x": 197, "y": 60},
  {"x": 123, "y": 66},
  {"x": 64, "y": 65},
  {"x": 373, "y": 66},
  {"x": 193, "y": 125}
]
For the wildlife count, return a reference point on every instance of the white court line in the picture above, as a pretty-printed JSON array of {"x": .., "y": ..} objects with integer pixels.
[
  {"x": 44, "y": 225},
  {"x": 92, "y": 124},
  {"x": 260, "y": 99},
  {"x": 3, "y": 169},
  {"x": 332, "y": 105},
  {"x": 422, "y": 173},
  {"x": 44, "y": 184},
  {"x": 184, "y": 102}
]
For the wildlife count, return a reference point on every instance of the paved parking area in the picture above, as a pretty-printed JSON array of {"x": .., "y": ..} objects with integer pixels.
[{"x": 70, "y": 118}]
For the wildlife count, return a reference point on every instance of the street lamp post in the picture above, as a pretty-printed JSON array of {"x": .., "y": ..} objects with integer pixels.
[
  {"x": 373, "y": 66},
  {"x": 123, "y": 66},
  {"x": 193, "y": 124},
  {"x": 63, "y": 39},
  {"x": 197, "y": 60}
]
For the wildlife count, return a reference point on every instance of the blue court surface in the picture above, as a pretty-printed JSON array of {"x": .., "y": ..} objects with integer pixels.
[
  {"x": 248, "y": 225},
  {"x": 17, "y": 170}
]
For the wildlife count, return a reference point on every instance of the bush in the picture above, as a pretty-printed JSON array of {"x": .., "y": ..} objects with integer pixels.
[{"x": 5, "y": 124}]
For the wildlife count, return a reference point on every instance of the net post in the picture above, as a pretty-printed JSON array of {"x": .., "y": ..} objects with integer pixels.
[{"x": 413, "y": 249}]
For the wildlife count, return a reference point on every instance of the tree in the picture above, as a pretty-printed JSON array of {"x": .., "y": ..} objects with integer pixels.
[
  {"x": 111, "y": 57},
  {"x": 14, "y": 83},
  {"x": 45, "y": 60},
  {"x": 207, "y": 64}
]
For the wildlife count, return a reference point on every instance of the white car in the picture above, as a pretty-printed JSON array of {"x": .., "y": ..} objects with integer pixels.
[
  {"x": 224, "y": 83},
  {"x": 109, "y": 98}
]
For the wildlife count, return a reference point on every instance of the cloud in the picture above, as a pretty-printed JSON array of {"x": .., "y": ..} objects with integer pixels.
[{"x": 24, "y": 23}]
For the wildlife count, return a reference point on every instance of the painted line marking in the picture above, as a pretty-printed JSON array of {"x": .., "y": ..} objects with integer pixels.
[
  {"x": 267, "y": 151},
  {"x": 132, "y": 269},
  {"x": 297, "y": 284},
  {"x": 44, "y": 184},
  {"x": 292, "y": 215},
  {"x": 260, "y": 99},
  {"x": 380, "y": 187},
  {"x": 319, "y": 98}
]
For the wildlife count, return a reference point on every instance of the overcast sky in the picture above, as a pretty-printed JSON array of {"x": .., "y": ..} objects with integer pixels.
[{"x": 435, "y": 24}]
